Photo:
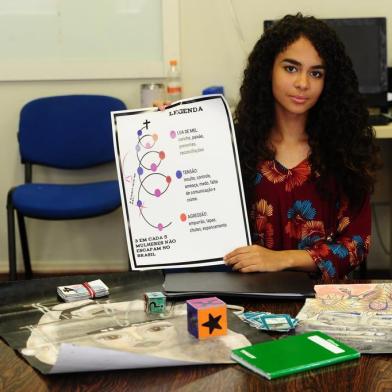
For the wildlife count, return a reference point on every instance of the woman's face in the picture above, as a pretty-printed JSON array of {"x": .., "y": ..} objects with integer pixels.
[{"x": 298, "y": 76}]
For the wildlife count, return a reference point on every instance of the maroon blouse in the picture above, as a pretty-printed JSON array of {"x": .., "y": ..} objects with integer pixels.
[{"x": 288, "y": 213}]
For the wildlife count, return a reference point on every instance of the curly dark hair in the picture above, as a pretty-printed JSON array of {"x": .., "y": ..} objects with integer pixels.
[{"x": 342, "y": 143}]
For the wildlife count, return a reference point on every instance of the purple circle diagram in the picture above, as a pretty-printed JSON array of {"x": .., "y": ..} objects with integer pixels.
[{"x": 152, "y": 182}]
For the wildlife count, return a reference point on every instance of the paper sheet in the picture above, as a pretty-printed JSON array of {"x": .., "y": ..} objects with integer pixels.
[
  {"x": 90, "y": 336},
  {"x": 357, "y": 314},
  {"x": 181, "y": 185},
  {"x": 73, "y": 358}
]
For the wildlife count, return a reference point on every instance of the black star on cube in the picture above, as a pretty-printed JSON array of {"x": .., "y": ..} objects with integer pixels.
[{"x": 212, "y": 323}]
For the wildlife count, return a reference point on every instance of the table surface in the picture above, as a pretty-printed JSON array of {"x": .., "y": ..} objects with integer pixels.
[{"x": 369, "y": 373}]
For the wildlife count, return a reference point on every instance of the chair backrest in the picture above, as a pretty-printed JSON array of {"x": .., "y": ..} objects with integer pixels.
[{"x": 69, "y": 131}]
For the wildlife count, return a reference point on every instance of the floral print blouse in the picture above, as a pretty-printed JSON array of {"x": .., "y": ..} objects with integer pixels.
[{"x": 288, "y": 213}]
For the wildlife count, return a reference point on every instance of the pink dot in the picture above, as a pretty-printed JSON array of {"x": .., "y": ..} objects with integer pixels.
[
  {"x": 162, "y": 155},
  {"x": 160, "y": 226},
  {"x": 173, "y": 134},
  {"x": 168, "y": 179},
  {"x": 148, "y": 145},
  {"x": 157, "y": 192},
  {"x": 153, "y": 167},
  {"x": 183, "y": 217}
]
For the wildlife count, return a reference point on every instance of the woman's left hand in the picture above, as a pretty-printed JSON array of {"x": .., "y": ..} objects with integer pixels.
[{"x": 255, "y": 258}]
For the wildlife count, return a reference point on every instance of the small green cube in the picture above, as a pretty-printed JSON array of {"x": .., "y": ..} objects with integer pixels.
[{"x": 155, "y": 302}]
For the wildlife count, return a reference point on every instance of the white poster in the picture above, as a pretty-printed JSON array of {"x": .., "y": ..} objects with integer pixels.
[{"x": 180, "y": 183}]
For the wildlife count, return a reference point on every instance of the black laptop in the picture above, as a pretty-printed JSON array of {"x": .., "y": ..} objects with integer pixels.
[{"x": 283, "y": 284}]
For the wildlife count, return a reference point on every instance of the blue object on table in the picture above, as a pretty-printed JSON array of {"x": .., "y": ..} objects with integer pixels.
[
  {"x": 64, "y": 132},
  {"x": 214, "y": 90}
]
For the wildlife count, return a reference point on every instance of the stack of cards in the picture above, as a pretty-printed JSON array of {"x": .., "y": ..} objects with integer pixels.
[
  {"x": 78, "y": 292},
  {"x": 268, "y": 321}
]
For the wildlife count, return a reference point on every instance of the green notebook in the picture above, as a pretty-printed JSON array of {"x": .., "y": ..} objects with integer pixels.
[{"x": 293, "y": 354}]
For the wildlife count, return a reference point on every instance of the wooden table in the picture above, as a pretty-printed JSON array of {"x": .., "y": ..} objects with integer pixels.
[{"x": 370, "y": 373}]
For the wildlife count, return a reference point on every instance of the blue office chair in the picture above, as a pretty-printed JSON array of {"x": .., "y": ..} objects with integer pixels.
[{"x": 66, "y": 132}]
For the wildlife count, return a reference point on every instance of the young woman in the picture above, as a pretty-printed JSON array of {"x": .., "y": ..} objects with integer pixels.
[{"x": 308, "y": 156}]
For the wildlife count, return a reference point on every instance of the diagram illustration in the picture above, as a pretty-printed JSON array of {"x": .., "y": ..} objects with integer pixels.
[{"x": 152, "y": 184}]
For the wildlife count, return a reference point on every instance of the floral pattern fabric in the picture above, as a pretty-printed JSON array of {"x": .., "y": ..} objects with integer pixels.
[{"x": 289, "y": 213}]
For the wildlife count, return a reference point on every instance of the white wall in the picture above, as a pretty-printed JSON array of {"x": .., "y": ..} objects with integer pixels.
[{"x": 212, "y": 52}]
